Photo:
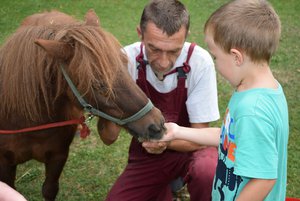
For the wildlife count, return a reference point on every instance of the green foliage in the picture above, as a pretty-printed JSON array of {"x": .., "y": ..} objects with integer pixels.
[{"x": 92, "y": 167}]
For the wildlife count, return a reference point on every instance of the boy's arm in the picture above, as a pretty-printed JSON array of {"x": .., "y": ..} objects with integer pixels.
[
  {"x": 256, "y": 189},
  {"x": 202, "y": 136},
  {"x": 176, "y": 134},
  {"x": 187, "y": 146}
]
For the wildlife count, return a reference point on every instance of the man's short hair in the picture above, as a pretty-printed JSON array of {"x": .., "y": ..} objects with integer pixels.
[
  {"x": 251, "y": 26},
  {"x": 167, "y": 15}
]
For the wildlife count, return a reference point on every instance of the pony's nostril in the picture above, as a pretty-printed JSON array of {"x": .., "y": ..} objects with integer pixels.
[
  {"x": 153, "y": 128},
  {"x": 155, "y": 132}
]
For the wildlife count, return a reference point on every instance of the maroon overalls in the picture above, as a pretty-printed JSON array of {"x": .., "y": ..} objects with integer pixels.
[{"x": 147, "y": 176}]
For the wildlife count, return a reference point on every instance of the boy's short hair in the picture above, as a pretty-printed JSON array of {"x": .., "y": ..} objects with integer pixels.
[
  {"x": 251, "y": 26},
  {"x": 167, "y": 15}
]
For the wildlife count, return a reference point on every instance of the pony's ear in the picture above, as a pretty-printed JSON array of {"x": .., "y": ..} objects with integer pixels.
[
  {"x": 91, "y": 18},
  {"x": 56, "y": 49}
]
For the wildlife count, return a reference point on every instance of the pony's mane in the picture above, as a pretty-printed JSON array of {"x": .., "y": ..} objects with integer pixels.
[{"x": 31, "y": 81}]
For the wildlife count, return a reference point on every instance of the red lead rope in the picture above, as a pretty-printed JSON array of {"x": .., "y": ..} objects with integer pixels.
[{"x": 84, "y": 132}]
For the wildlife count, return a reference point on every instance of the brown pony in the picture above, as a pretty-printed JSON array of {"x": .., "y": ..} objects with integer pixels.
[
  {"x": 52, "y": 17},
  {"x": 34, "y": 91}
]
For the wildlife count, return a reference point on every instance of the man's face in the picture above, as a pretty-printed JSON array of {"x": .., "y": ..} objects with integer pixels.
[{"x": 162, "y": 50}]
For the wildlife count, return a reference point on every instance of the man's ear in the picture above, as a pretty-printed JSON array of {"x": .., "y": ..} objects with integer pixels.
[
  {"x": 237, "y": 56},
  {"x": 139, "y": 32},
  {"x": 188, "y": 33}
]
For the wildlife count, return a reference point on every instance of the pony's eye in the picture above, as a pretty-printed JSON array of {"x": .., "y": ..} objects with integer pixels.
[
  {"x": 72, "y": 44},
  {"x": 104, "y": 90}
]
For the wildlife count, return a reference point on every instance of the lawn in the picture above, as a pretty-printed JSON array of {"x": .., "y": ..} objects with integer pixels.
[{"x": 92, "y": 167}]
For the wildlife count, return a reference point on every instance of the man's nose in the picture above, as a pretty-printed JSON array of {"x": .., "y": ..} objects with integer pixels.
[{"x": 164, "y": 60}]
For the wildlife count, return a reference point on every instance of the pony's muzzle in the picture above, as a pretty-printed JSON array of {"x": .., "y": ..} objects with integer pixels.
[
  {"x": 150, "y": 127},
  {"x": 155, "y": 132}
]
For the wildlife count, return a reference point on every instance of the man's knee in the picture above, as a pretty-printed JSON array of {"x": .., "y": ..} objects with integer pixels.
[{"x": 204, "y": 165}]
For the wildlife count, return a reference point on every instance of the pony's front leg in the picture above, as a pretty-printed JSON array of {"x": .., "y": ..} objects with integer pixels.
[
  {"x": 53, "y": 169},
  {"x": 8, "y": 174}
]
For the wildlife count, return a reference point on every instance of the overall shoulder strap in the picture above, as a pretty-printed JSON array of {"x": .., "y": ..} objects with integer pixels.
[
  {"x": 140, "y": 58},
  {"x": 190, "y": 52},
  {"x": 182, "y": 71}
]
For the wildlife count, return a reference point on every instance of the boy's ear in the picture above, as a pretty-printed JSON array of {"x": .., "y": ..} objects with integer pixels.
[
  {"x": 139, "y": 32},
  {"x": 237, "y": 56}
]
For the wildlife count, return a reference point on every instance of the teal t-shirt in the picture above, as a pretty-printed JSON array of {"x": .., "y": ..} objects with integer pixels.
[{"x": 253, "y": 143}]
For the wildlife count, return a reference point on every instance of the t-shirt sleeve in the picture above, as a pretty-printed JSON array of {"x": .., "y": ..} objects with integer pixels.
[
  {"x": 256, "y": 155},
  {"x": 202, "y": 102},
  {"x": 131, "y": 52}
]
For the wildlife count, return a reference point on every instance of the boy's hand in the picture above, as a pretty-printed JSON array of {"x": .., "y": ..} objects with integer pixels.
[
  {"x": 157, "y": 147},
  {"x": 170, "y": 134}
]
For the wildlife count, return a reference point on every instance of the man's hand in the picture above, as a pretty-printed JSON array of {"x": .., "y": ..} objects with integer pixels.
[{"x": 155, "y": 147}]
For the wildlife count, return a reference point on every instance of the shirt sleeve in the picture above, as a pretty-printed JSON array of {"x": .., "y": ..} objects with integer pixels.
[
  {"x": 132, "y": 51},
  {"x": 256, "y": 155},
  {"x": 202, "y": 102}
]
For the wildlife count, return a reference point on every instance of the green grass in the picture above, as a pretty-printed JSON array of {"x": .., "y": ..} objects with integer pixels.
[{"x": 92, "y": 167}]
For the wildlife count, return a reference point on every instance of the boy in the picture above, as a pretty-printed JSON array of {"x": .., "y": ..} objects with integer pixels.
[{"x": 242, "y": 35}]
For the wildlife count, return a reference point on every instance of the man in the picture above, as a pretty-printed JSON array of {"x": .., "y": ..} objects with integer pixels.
[{"x": 180, "y": 80}]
